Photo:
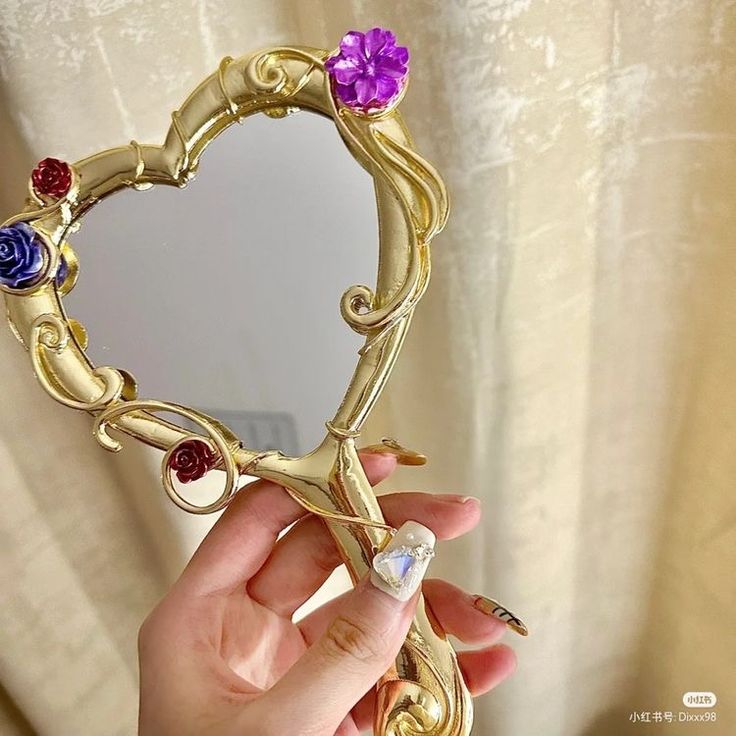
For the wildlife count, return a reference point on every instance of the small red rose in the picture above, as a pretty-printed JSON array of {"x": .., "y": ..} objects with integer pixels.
[
  {"x": 52, "y": 178},
  {"x": 191, "y": 460}
]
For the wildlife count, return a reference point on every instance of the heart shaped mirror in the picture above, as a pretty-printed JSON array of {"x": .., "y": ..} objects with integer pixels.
[
  {"x": 226, "y": 293},
  {"x": 245, "y": 270}
]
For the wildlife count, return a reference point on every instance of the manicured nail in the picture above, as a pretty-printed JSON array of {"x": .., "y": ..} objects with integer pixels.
[
  {"x": 400, "y": 567},
  {"x": 495, "y": 609},
  {"x": 403, "y": 455}
]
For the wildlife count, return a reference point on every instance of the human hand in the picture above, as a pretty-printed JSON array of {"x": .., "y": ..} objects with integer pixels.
[{"x": 220, "y": 654}]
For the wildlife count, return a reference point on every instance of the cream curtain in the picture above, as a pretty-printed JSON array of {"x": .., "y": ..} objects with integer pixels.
[{"x": 573, "y": 363}]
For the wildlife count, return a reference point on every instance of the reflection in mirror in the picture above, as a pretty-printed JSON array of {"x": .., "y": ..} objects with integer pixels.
[{"x": 224, "y": 296}]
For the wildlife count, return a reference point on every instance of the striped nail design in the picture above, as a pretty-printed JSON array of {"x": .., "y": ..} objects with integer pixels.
[{"x": 495, "y": 609}]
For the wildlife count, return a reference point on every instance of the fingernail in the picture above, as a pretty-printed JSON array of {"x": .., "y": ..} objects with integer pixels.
[
  {"x": 400, "y": 567},
  {"x": 456, "y": 498},
  {"x": 495, "y": 609},
  {"x": 403, "y": 455}
]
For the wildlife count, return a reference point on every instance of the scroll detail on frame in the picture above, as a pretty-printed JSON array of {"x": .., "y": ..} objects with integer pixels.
[{"x": 426, "y": 693}]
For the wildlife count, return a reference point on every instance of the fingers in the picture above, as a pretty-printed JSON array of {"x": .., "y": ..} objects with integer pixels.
[
  {"x": 456, "y": 614},
  {"x": 377, "y": 467},
  {"x": 453, "y": 608},
  {"x": 243, "y": 537},
  {"x": 485, "y": 668},
  {"x": 354, "y": 651},
  {"x": 304, "y": 557}
]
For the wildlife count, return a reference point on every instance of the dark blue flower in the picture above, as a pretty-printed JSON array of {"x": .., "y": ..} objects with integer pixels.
[
  {"x": 62, "y": 272},
  {"x": 21, "y": 256}
]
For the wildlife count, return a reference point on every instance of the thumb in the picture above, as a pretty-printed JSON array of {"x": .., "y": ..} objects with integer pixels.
[{"x": 361, "y": 642}]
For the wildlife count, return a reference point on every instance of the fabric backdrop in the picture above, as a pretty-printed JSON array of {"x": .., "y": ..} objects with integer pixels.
[{"x": 573, "y": 363}]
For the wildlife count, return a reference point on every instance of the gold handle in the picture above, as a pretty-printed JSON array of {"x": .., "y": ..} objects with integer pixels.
[{"x": 424, "y": 693}]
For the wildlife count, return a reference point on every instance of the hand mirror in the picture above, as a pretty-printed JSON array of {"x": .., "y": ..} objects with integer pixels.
[{"x": 58, "y": 240}]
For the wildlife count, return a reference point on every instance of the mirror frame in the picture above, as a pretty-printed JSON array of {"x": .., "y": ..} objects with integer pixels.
[
  {"x": 426, "y": 691},
  {"x": 412, "y": 208}
]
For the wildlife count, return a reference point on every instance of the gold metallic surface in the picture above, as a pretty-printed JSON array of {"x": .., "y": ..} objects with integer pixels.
[
  {"x": 495, "y": 609},
  {"x": 424, "y": 692}
]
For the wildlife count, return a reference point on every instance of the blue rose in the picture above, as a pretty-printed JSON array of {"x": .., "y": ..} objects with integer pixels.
[{"x": 21, "y": 256}]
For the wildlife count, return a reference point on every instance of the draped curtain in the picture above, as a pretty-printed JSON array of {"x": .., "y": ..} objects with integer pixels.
[{"x": 573, "y": 363}]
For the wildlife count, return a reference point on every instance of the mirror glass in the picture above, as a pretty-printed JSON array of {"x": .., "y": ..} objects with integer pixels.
[{"x": 225, "y": 295}]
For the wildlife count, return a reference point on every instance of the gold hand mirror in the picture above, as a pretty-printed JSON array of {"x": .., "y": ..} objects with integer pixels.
[{"x": 171, "y": 290}]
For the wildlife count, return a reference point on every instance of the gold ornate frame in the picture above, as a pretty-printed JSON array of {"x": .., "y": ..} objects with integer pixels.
[{"x": 424, "y": 693}]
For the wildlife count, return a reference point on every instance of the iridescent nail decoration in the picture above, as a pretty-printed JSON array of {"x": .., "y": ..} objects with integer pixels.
[
  {"x": 399, "y": 569},
  {"x": 369, "y": 70}
]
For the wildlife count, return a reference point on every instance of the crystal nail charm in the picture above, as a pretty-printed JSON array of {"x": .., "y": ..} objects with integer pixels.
[{"x": 401, "y": 566}]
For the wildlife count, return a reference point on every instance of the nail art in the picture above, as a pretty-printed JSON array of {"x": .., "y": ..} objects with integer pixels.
[
  {"x": 400, "y": 567},
  {"x": 403, "y": 455},
  {"x": 495, "y": 609}
]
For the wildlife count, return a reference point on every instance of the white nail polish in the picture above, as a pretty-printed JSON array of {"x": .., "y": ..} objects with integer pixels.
[{"x": 399, "y": 569}]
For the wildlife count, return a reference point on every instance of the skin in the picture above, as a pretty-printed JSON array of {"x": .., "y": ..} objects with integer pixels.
[{"x": 220, "y": 654}]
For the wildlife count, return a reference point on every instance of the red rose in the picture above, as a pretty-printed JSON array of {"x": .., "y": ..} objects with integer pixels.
[
  {"x": 52, "y": 178},
  {"x": 191, "y": 460}
]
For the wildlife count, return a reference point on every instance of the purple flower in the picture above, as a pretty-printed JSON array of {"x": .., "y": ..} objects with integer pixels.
[
  {"x": 369, "y": 70},
  {"x": 21, "y": 256}
]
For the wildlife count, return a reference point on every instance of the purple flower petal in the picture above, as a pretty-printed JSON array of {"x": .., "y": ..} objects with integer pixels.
[
  {"x": 376, "y": 39},
  {"x": 387, "y": 88},
  {"x": 352, "y": 44},
  {"x": 400, "y": 54},
  {"x": 365, "y": 89},
  {"x": 346, "y": 92},
  {"x": 390, "y": 67},
  {"x": 345, "y": 71}
]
